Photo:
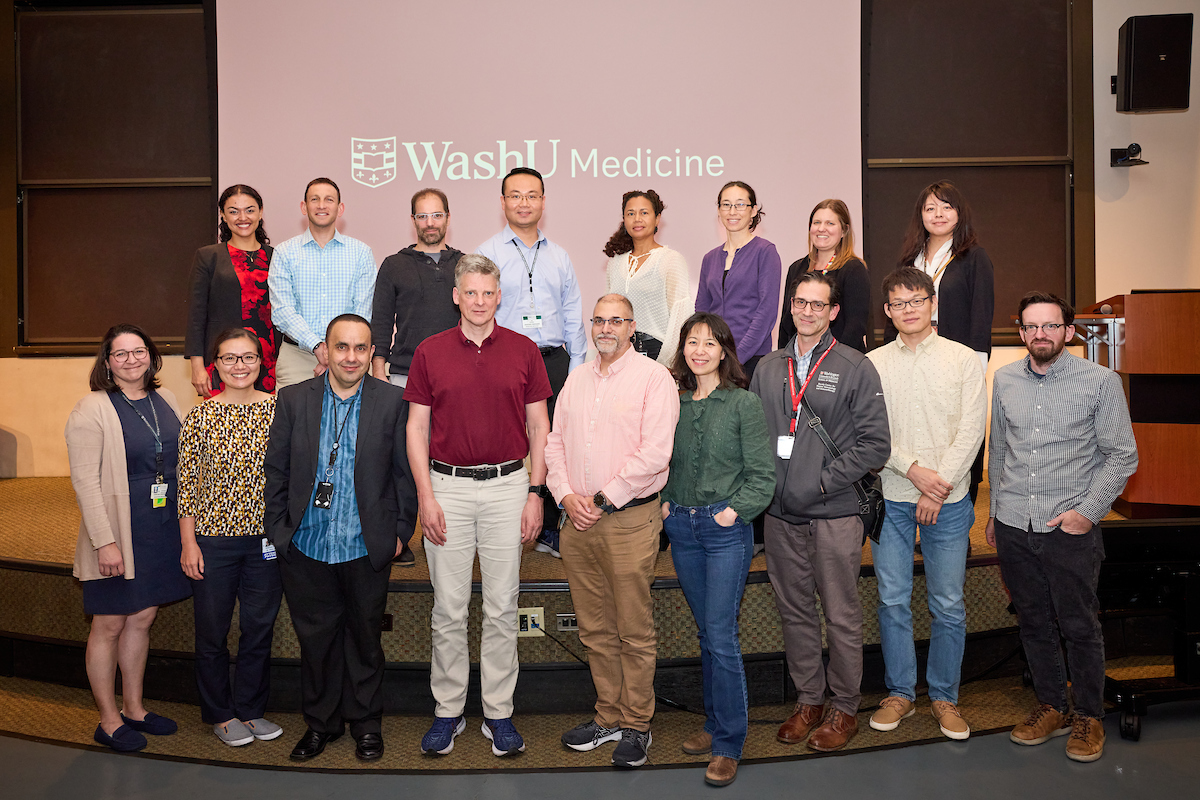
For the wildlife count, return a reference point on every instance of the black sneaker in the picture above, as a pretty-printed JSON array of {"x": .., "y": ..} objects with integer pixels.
[
  {"x": 406, "y": 558},
  {"x": 632, "y": 751},
  {"x": 589, "y": 736}
]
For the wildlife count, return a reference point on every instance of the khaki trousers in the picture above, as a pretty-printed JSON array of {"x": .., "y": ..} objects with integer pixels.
[
  {"x": 610, "y": 568},
  {"x": 293, "y": 366}
]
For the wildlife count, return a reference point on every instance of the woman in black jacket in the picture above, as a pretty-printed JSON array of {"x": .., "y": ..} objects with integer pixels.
[{"x": 229, "y": 289}]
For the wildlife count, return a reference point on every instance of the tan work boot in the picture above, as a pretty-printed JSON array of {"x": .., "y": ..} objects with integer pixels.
[
  {"x": 698, "y": 744},
  {"x": 892, "y": 709},
  {"x": 1043, "y": 723},
  {"x": 797, "y": 727},
  {"x": 1087, "y": 739},
  {"x": 950, "y": 720},
  {"x": 721, "y": 771}
]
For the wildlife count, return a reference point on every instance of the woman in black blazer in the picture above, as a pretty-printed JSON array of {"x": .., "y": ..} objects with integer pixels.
[
  {"x": 229, "y": 289},
  {"x": 940, "y": 241},
  {"x": 831, "y": 250}
]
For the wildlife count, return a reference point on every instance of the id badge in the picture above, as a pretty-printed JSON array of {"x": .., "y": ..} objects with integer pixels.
[
  {"x": 783, "y": 446},
  {"x": 531, "y": 321},
  {"x": 158, "y": 495},
  {"x": 268, "y": 550},
  {"x": 324, "y": 497}
]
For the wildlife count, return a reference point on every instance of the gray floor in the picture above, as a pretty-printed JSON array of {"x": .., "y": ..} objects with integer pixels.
[{"x": 1164, "y": 764}]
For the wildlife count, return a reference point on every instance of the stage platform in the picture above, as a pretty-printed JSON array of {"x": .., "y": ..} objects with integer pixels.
[{"x": 43, "y": 627}]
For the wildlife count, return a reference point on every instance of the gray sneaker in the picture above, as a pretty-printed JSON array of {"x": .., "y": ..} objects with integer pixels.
[
  {"x": 632, "y": 751},
  {"x": 234, "y": 733},
  {"x": 589, "y": 736},
  {"x": 263, "y": 729}
]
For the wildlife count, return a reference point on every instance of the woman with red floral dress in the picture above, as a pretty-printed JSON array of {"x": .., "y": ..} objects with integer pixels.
[{"x": 229, "y": 289}]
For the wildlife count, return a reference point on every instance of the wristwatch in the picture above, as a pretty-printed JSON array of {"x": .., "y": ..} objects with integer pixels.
[
  {"x": 601, "y": 502},
  {"x": 541, "y": 490}
]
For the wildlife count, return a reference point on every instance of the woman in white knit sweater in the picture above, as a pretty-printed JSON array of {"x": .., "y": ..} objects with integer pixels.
[{"x": 654, "y": 277}]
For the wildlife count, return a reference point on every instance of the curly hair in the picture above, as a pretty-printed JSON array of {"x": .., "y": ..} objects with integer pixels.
[
  {"x": 753, "y": 200},
  {"x": 621, "y": 241},
  {"x": 226, "y": 234},
  {"x": 915, "y": 236}
]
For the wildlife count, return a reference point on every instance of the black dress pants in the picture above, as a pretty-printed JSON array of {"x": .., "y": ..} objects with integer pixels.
[{"x": 337, "y": 612}]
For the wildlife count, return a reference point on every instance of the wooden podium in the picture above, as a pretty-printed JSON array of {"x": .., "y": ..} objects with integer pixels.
[{"x": 1148, "y": 337}]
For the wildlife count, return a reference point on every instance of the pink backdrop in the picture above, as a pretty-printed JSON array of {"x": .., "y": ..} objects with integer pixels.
[{"x": 767, "y": 93}]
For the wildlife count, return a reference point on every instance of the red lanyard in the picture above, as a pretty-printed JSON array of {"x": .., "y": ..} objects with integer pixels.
[{"x": 796, "y": 398}]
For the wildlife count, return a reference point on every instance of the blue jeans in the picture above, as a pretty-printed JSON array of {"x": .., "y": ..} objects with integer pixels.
[
  {"x": 944, "y": 548},
  {"x": 712, "y": 563}
]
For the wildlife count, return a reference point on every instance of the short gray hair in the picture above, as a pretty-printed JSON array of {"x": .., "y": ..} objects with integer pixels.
[
  {"x": 473, "y": 263},
  {"x": 616, "y": 297}
]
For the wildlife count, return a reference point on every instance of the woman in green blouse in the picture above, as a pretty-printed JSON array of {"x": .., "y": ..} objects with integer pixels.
[
  {"x": 722, "y": 476},
  {"x": 225, "y": 552}
]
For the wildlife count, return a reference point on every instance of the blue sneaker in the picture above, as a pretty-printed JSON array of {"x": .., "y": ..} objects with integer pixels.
[
  {"x": 504, "y": 737},
  {"x": 547, "y": 542},
  {"x": 440, "y": 739}
]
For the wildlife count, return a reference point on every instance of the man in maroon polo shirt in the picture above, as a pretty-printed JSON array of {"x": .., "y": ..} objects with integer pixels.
[{"x": 478, "y": 407}]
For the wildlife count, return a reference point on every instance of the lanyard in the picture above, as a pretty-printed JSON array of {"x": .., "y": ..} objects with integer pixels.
[
  {"x": 158, "y": 448},
  {"x": 333, "y": 453},
  {"x": 796, "y": 398},
  {"x": 940, "y": 270},
  {"x": 529, "y": 267}
]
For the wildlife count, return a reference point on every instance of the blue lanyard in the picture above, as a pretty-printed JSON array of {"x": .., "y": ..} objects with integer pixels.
[{"x": 158, "y": 447}]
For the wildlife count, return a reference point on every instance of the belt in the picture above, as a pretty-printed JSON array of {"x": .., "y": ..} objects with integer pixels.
[
  {"x": 477, "y": 473},
  {"x": 290, "y": 340},
  {"x": 638, "y": 501},
  {"x": 545, "y": 351}
]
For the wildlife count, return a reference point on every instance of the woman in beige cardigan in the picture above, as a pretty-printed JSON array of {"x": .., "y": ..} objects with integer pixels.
[{"x": 122, "y": 441}]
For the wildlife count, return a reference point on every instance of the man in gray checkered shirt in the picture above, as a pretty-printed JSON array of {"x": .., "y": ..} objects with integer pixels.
[{"x": 1061, "y": 450}]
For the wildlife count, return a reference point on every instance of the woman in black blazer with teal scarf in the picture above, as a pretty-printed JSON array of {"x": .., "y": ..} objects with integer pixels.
[{"x": 229, "y": 289}]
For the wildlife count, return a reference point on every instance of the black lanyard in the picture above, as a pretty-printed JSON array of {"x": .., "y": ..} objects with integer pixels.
[
  {"x": 529, "y": 267},
  {"x": 333, "y": 453},
  {"x": 158, "y": 448}
]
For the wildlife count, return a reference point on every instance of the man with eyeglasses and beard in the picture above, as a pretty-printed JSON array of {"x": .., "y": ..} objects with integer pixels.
[
  {"x": 813, "y": 533},
  {"x": 1061, "y": 450}
]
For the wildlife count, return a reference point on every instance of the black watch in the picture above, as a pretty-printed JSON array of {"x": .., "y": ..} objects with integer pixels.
[
  {"x": 541, "y": 490},
  {"x": 601, "y": 502}
]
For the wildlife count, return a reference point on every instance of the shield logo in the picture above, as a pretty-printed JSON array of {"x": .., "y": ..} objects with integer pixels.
[{"x": 373, "y": 161}]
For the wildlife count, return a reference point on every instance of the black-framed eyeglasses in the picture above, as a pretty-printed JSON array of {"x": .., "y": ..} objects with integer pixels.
[
  {"x": 229, "y": 359},
  {"x": 614, "y": 322},
  {"x": 1049, "y": 327},
  {"x": 900, "y": 305},
  {"x": 799, "y": 304},
  {"x": 436, "y": 216},
  {"x": 124, "y": 355}
]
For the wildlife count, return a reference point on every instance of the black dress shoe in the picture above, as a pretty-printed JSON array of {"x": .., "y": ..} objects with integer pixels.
[
  {"x": 370, "y": 747},
  {"x": 312, "y": 743},
  {"x": 406, "y": 558}
]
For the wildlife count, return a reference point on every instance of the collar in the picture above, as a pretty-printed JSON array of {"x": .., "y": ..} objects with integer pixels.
[
  {"x": 925, "y": 343},
  {"x": 413, "y": 251},
  {"x": 329, "y": 390},
  {"x": 824, "y": 344},
  {"x": 511, "y": 236},
  {"x": 1052, "y": 371},
  {"x": 491, "y": 337},
  {"x": 623, "y": 361},
  {"x": 308, "y": 237},
  {"x": 720, "y": 393}
]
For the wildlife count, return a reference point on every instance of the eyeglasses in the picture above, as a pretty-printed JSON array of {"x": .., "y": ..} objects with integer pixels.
[
  {"x": 900, "y": 305},
  {"x": 124, "y": 355},
  {"x": 436, "y": 217},
  {"x": 516, "y": 197},
  {"x": 739, "y": 205},
  {"x": 615, "y": 322},
  {"x": 1049, "y": 327},
  {"x": 799, "y": 304},
  {"x": 229, "y": 359}
]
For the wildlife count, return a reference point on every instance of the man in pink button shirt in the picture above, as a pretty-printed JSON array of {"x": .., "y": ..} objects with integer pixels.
[{"x": 614, "y": 425}]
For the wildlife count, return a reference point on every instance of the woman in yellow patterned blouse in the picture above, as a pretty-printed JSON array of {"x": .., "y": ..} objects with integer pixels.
[{"x": 225, "y": 552}]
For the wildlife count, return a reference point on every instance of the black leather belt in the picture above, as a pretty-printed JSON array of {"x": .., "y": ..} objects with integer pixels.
[
  {"x": 477, "y": 473},
  {"x": 638, "y": 501},
  {"x": 545, "y": 351},
  {"x": 290, "y": 340}
]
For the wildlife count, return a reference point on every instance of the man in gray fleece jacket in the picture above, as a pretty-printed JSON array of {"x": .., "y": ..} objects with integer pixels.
[{"x": 813, "y": 534}]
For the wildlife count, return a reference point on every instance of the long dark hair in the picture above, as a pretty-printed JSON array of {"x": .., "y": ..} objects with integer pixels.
[
  {"x": 260, "y": 232},
  {"x": 100, "y": 379},
  {"x": 757, "y": 218},
  {"x": 621, "y": 241},
  {"x": 729, "y": 371},
  {"x": 916, "y": 236}
]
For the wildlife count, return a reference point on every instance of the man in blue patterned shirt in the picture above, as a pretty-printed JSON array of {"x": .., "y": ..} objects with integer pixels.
[
  {"x": 314, "y": 277},
  {"x": 1061, "y": 450}
]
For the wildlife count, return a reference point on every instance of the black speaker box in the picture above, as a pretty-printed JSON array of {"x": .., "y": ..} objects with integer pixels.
[{"x": 1154, "y": 63}]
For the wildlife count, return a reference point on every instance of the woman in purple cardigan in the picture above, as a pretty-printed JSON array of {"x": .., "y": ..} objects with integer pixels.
[{"x": 739, "y": 280}]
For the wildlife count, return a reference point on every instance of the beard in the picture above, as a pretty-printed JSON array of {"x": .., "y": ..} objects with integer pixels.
[
  {"x": 432, "y": 236},
  {"x": 1045, "y": 352}
]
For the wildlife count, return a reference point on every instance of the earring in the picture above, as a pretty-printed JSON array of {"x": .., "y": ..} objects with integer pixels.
[{"x": 107, "y": 372}]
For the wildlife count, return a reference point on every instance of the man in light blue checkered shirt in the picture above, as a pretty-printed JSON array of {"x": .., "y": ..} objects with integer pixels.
[
  {"x": 1062, "y": 448},
  {"x": 315, "y": 277}
]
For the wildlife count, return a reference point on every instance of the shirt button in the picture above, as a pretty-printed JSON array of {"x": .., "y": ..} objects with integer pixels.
[{"x": 1030, "y": 497}]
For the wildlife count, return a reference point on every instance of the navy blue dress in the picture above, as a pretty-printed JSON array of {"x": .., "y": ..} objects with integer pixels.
[{"x": 156, "y": 546}]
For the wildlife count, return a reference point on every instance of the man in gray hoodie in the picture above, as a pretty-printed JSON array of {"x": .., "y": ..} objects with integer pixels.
[{"x": 813, "y": 533}]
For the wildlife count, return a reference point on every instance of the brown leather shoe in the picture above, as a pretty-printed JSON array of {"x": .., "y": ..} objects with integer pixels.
[
  {"x": 698, "y": 744},
  {"x": 1043, "y": 723},
  {"x": 1087, "y": 739},
  {"x": 721, "y": 771},
  {"x": 797, "y": 727},
  {"x": 835, "y": 731}
]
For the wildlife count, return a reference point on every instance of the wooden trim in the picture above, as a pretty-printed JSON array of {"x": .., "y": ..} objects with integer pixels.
[
  {"x": 974, "y": 161},
  {"x": 1083, "y": 152},
  {"x": 9, "y": 210}
]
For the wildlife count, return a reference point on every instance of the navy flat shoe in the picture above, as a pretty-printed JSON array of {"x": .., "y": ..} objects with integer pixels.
[
  {"x": 123, "y": 740},
  {"x": 153, "y": 724}
]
